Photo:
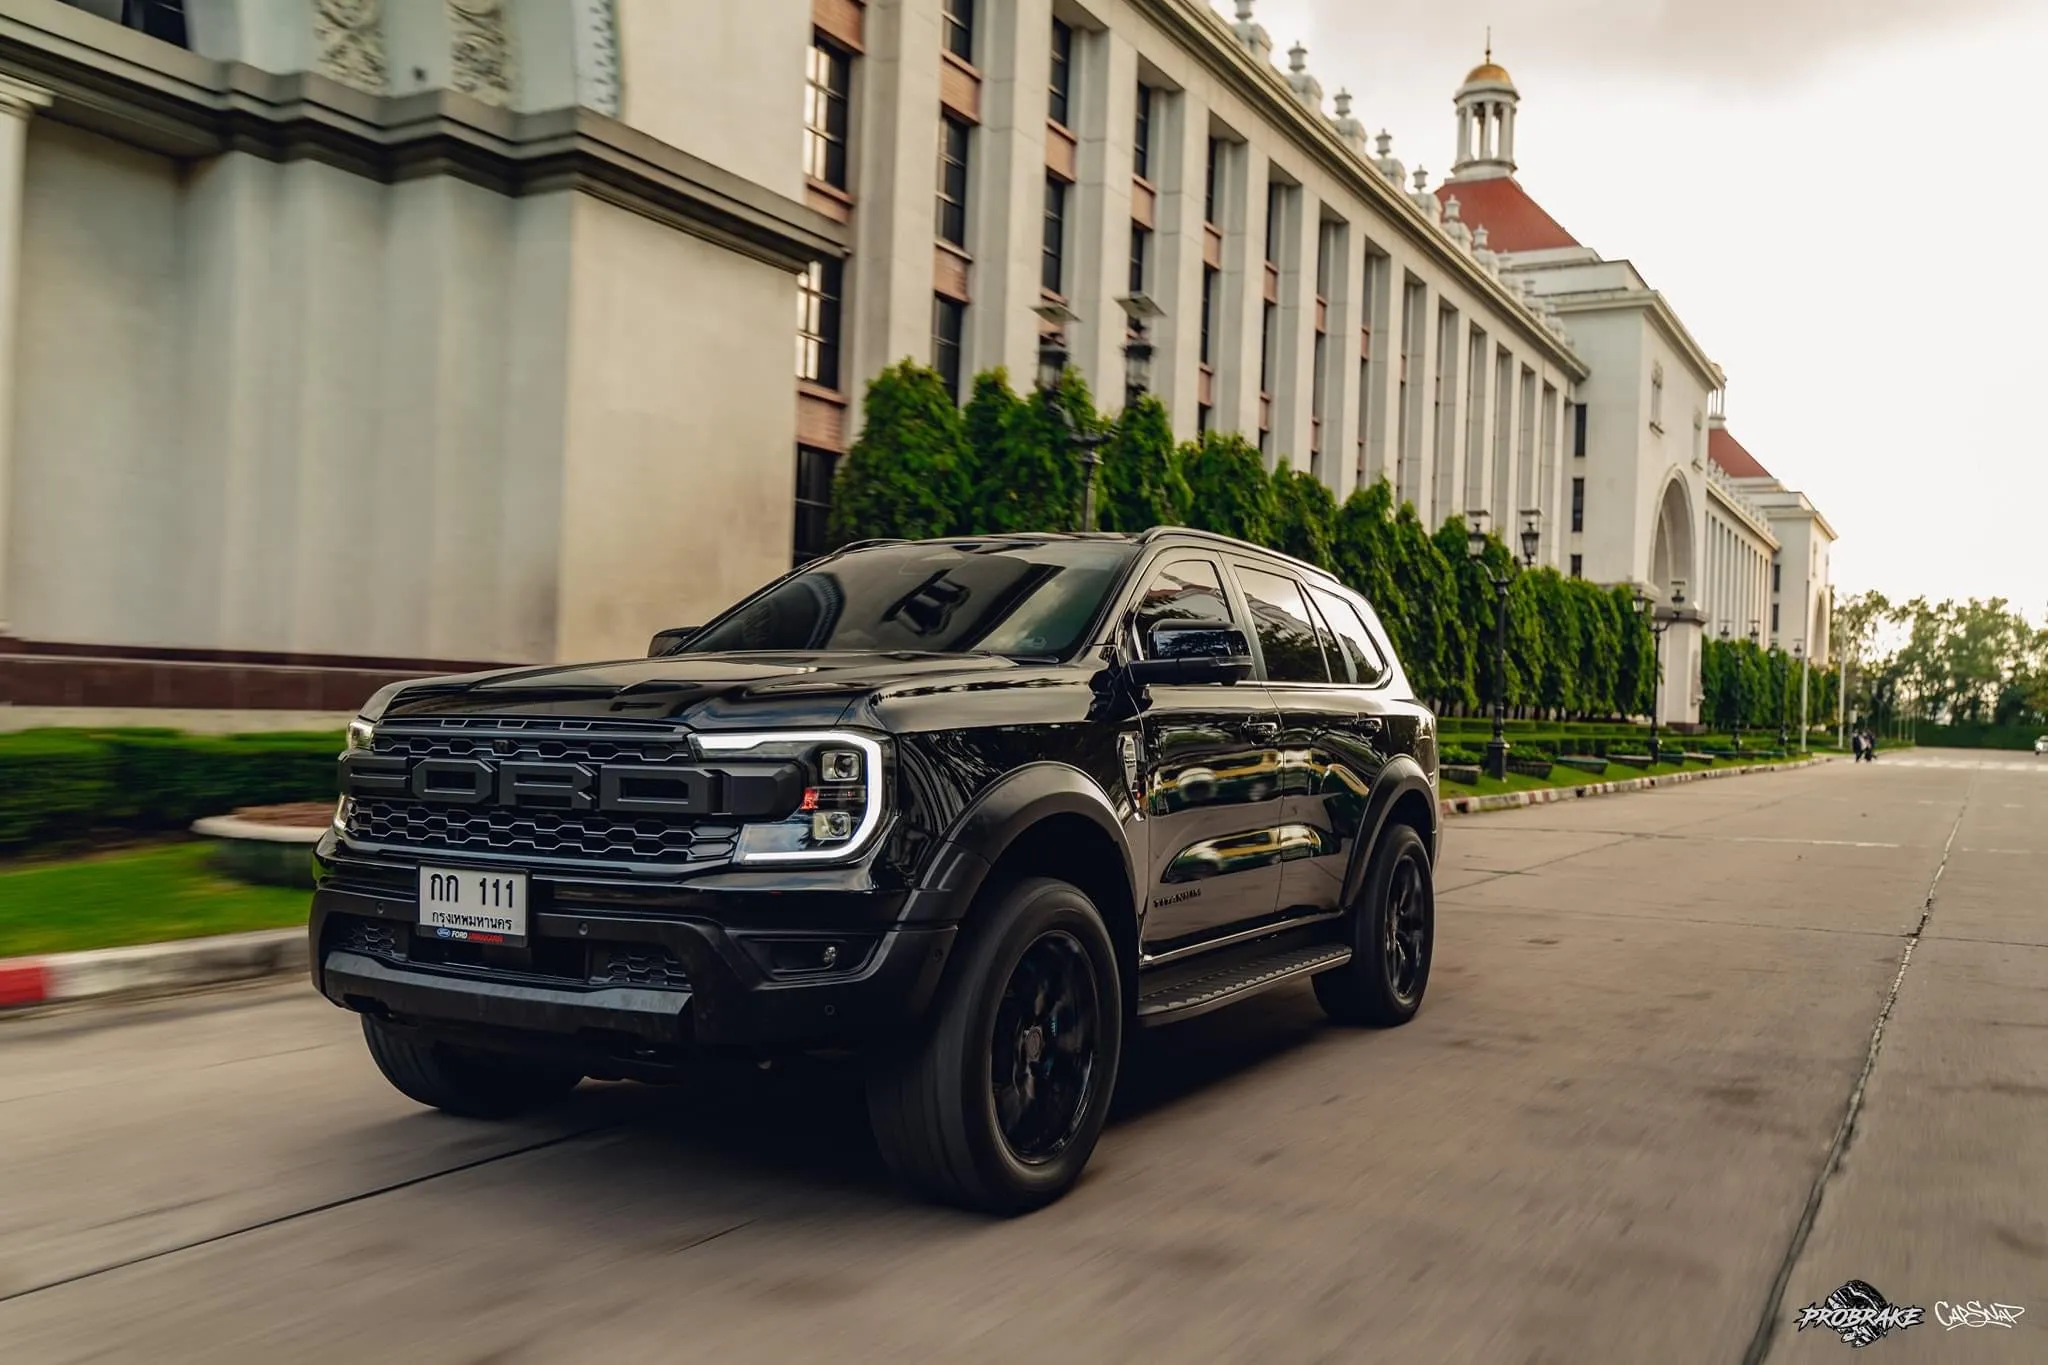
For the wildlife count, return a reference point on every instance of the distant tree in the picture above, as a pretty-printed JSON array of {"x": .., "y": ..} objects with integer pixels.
[
  {"x": 1033, "y": 480},
  {"x": 992, "y": 409},
  {"x": 903, "y": 475}
]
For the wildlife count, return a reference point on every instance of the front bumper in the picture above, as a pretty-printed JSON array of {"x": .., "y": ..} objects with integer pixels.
[{"x": 629, "y": 984}]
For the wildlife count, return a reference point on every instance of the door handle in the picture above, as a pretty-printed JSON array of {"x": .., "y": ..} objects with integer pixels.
[
  {"x": 1261, "y": 729},
  {"x": 1371, "y": 725}
]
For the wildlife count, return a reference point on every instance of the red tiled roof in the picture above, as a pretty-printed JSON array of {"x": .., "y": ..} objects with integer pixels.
[
  {"x": 1513, "y": 221},
  {"x": 1727, "y": 452}
]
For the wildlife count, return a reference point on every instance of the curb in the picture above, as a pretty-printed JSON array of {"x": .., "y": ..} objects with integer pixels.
[
  {"x": 150, "y": 967},
  {"x": 1475, "y": 805}
]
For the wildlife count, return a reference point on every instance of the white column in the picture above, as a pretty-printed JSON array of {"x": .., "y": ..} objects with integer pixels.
[
  {"x": 1294, "y": 327},
  {"x": 1180, "y": 144},
  {"x": 1340, "y": 400},
  {"x": 1099, "y": 210},
  {"x": 1006, "y": 189},
  {"x": 18, "y": 104}
]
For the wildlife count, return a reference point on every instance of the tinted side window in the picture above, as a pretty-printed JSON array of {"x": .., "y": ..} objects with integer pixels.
[
  {"x": 1287, "y": 632},
  {"x": 1354, "y": 641},
  {"x": 1185, "y": 590}
]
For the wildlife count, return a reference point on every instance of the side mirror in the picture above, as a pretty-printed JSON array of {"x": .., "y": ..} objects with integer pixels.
[
  {"x": 1193, "y": 652},
  {"x": 671, "y": 641}
]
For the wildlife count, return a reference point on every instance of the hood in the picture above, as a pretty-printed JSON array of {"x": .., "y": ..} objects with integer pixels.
[{"x": 707, "y": 691}]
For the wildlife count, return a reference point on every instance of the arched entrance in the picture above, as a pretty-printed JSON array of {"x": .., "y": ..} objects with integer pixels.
[
  {"x": 1676, "y": 587},
  {"x": 1671, "y": 546}
]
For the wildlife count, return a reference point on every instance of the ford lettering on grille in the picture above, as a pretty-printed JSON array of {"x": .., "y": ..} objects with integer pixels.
[{"x": 617, "y": 788}]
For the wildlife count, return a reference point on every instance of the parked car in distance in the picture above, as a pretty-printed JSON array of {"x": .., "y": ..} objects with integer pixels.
[{"x": 972, "y": 810}]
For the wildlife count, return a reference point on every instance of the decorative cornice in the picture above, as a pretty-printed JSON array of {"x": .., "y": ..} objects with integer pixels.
[
  {"x": 1208, "y": 37},
  {"x": 480, "y": 50},
  {"x": 351, "y": 38},
  {"x": 184, "y": 106},
  {"x": 22, "y": 99},
  {"x": 596, "y": 35}
]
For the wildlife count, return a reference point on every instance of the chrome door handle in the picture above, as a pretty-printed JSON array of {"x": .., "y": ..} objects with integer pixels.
[
  {"x": 1262, "y": 729},
  {"x": 1372, "y": 725}
]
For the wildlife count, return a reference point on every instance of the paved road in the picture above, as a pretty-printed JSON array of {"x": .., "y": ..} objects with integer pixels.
[{"x": 1643, "y": 1053}]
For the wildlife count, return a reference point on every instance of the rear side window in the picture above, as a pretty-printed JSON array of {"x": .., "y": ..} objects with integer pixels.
[
  {"x": 1354, "y": 641},
  {"x": 1287, "y": 631},
  {"x": 1185, "y": 590}
]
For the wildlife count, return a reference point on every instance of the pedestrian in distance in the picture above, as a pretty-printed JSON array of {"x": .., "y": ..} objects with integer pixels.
[{"x": 1856, "y": 747}]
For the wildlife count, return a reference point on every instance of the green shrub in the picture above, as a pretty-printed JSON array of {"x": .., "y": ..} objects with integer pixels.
[{"x": 61, "y": 785}]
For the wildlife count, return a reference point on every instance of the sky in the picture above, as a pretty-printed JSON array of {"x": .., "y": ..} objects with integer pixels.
[{"x": 1833, "y": 194}]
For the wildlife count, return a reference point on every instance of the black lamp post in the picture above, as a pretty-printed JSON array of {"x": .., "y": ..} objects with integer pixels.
[
  {"x": 1784, "y": 685},
  {"x": 1647, "y": 606},
  {"x": 1052, "y": 367},
  {"x": 1726, "y": 633},
  {"x": 1475, "y": 546},
  {"x": 1138, "y": 346}
]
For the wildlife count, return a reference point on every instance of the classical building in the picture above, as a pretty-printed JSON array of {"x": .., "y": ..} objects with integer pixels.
[
  {"x": 1661, "y": 495},
  {"x": 1117, "y": 157},
  {"x": 345, "y": 339}
]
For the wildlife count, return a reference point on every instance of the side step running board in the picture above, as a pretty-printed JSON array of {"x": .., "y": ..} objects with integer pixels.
[{"x": 1228, "y": 985}]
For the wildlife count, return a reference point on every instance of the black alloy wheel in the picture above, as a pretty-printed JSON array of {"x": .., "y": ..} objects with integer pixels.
[
  {"x": 1403, "y": 943},
  {"x": 1042, "y": 1050},
  {"x": 997, "y": 1104},
  {"x": 1393, "y": 938}
]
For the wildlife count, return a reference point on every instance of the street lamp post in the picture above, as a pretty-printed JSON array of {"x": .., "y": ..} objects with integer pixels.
[
  {"x": 1475, "y": 546},
  {"x": 1053, "y": 358},
  {"x": 1646, "y": 606},
  {"x": 1784, "y": 688},
  {"x": 1753, "y": 624},
  {"x": 1805, "y": 676}
]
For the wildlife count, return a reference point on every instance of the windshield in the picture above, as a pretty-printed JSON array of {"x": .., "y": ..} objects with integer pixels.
[{"x": 1019, "y": 598}]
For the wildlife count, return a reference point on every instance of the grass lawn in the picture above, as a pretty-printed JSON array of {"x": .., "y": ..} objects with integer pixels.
[
  {"x": 1561, "y": 776},
  {"x": 141, "y": 895}
]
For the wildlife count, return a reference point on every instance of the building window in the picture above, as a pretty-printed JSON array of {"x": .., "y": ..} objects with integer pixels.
[
  {"x": 1774, "y": 619},
  {"x": 1657, "y": 397},
  {"x": 953, "y": 180},
  {"x": 1276, "y": 205},
  {"x": 814, "y": 471},
  {"x": 1578, "y": 566},
  {"x": 1209, "y": 314},
  {"x": 1141, "y": 254},
  {"x": 1141, "y": 147},
  {"x": 1212, "y": 175},
  {"x": 1052, "y": 270},
  {"x": 1777, "y": 579},
  {"x": 828, "y": 86},
  {"x": 1578, "y": 429},
  {"x": 160, "y": 19},
  {"x": 1578, "y": 504},
  {"x": 958, "y": 17},
  {"x": 949, "y": 325},
  {"x": 1062, "y": 87},
  {"x": 819, "y": 290},
  {"x": 1269, "y": 325},
  {"x": 1204, "y": 418}
]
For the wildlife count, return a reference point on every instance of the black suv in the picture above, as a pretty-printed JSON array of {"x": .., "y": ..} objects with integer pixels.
[{"x": 972, "y": 809}]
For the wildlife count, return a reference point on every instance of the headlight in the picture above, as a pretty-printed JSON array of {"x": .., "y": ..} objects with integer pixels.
[
  {"x": 360, "y": 733},
  {"x": 844, "y": 792}
]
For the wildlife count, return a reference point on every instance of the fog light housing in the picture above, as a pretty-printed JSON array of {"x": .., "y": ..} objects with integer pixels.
[{"x": 831, "y": 826}]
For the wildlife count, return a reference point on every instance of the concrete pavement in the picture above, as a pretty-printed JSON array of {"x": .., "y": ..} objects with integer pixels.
[{"x": 1631, "y": 1124}]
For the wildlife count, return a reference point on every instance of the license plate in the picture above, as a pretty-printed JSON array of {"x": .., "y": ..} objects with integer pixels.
[{"x": 473, "y": 906}]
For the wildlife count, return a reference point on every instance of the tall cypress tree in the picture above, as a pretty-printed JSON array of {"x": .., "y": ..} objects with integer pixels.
[
  {"x": 1140, "y": 484},
  {"x": 1305, "y": 524},
  {"x": 1229, "y": 490},
  {"x": 902, "y": 477}
]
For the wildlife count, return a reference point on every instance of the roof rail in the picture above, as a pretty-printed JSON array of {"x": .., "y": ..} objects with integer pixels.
[
  {"x": 1217, "y": 537},
  {"x": 873, "y": 540}
]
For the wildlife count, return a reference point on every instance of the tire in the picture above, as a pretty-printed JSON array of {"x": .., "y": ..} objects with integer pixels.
[
  {"x": 1383, "y": 984},
  {"x": 464, "y": 1081},
  {"x": 1037, "y": 958}
]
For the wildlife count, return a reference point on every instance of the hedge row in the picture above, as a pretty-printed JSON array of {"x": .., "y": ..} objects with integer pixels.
[
  {"x": 1976, "y": 736},
  {"x": 62, "y": 785}
]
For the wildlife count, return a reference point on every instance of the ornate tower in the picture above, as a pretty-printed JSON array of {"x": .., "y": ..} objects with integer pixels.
[{"x": 1486, "y": 122}]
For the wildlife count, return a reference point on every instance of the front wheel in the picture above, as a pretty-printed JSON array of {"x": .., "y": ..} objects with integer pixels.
[
  {"x": 999, "y": 1106},
  {"x": 1393, "y": 933},
  {"x": 467, "y": 1082}
]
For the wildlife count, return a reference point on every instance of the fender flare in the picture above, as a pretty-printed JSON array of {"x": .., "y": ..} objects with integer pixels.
[
  {"x": 977, "y": 839},
  {"x": 1401, "y": 776}
]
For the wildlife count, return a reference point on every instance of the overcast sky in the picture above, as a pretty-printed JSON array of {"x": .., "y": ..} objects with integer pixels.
[{"x": 1834, "y": 196}]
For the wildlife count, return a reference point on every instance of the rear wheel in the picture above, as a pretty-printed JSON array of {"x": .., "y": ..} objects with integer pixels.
[
  {"x": 1000, "y": 1105},
  {"x": 1393, "y": 933},
  {"x": 464, "y": 1081}
]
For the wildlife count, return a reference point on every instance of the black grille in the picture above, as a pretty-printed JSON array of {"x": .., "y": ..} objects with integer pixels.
[
  {"x": 538, "y": 834},
  {"x": 576, "y": 837},
  {"x": 634, "y": 965},
  {"x": 377, "y": 937}
]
